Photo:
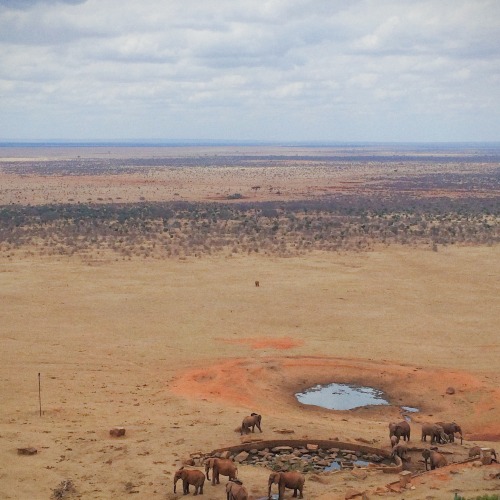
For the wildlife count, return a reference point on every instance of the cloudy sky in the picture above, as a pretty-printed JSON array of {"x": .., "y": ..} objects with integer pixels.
[{"x": 277, "y": 70}]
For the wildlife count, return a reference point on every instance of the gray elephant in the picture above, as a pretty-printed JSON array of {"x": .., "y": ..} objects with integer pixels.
[
  {"x": 400, "y": 450},
  {"x": 292, "y": 480},
  {"x": 394, "y": 441},
  {"x": 400, "y": 430},
  {"x": 190, "y": 476},
  {"x": 436, "y": 432},
  {"x": 435, "y": 458},
  {"x": 235, "y": 490},
  {"x": 250, "y": 422},
  {"x": 450, "y": 429}
]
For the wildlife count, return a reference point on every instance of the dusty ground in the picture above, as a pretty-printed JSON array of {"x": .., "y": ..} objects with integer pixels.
[
  {"x": 178, "y": 352},
  {"x": 108, "y": 174}
]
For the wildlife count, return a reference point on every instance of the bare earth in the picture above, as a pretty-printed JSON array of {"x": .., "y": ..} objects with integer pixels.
[{"x": 179, "y": 351}]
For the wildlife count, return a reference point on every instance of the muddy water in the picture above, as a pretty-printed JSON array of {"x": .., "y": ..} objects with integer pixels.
[
  {"x": 341, "y": 396},
  {"x": 345, "y": 397}
]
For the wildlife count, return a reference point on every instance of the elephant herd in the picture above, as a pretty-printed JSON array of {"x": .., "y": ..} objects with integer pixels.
[
  {"x": 226, "y": 467},
  {"x": 439, "y": 433},
  {"x": 234, "y": 488}
]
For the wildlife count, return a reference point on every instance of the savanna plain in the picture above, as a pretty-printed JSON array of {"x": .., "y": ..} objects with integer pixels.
[{"x": 128, "y": 299}]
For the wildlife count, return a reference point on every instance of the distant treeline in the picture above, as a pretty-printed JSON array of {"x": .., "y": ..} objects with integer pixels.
[{"x": 181, "y": 229}]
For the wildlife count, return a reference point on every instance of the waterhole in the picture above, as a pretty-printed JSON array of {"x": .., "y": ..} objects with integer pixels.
[{"x": 344, "y": 397}]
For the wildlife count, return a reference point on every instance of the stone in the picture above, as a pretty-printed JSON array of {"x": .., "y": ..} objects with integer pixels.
[
  {"x": 312, "y": 447},
  {"x": 241, "y": 457},
  {"x": 477, "y": 463},
  {"x": 117, "y": 431},
  {"x": 450, "y": 390},
  {"x": 404, "y": 478},
  {"x": 225, "y": 454},
  {"x": 395, "y": 488},
  {"x": 188, "y": 461},
  {"x": 282, "y": 449},
  {"x": 359, "y": 473},
  {"x": 352, "y": 493},
  {"x": 27, "y": 451}
]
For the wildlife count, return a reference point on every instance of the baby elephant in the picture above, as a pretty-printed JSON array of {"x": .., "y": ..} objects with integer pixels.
[
  {"x": 190, "y": 476},
  {"x": 235, "y": 490},
  {"x": 220, "y": 466},
  {"x": 250, "y": 422},
  {"x": 435, "y": 458},
  {"x": 291, "y": 480},
  {"x": 400, "y": 450}
]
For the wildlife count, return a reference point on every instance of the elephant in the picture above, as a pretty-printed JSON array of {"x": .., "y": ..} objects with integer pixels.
[
  {"x": 220, "y": 466},
  {"x": 435, "y": 431},
  {"x": 190, "y": 476},
  {"x": 477, "y": 451},
  {"x": 291, "y": 480},
  {"x": 235, "y": 490},
  {"x": 450, "y": 428},
  {"x": 394, "y": 441},
  {"x": 400, "y": 429},
  {"x": 251, "y": 421},
  {"x": 401, "y": 450},
  {"x": 435, "y": 458}
]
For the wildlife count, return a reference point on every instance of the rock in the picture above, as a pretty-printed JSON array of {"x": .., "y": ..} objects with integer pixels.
[
  {"x": 282, "y": 449},
  {"x": 450, "y": 390},
  {"x": 225, "y": 454},
  {"x": 27, "y": 451},
  {"x": 188, "y": 461},
  {"x": 394, "y": 488},
  {"x": 405, "y": 479},
  {"x": 352, "y": 493},
  {"x": 317, "y": 479},
  {"x": 117, "y": 431},
  {"x": 363, "y": 440},
  {"x": 477, "y": 463},
  {"x": 241, "y": 457},
  {"x": 312, "y": 447},
  {"x": 359, "y": 473}
]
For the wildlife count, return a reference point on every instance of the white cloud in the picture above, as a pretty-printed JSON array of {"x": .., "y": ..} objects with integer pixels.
[{"x": 196, "y": 69}]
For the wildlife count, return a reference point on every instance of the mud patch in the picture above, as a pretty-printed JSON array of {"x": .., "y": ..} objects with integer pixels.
[
  {"x": 269, "y": 382},
  {"x": 282, "y": 343}
]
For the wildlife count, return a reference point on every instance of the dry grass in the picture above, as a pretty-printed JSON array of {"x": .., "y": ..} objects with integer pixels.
[{"x": 178, "y": 349}]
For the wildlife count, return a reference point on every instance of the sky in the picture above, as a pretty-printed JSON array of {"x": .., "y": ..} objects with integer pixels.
[{"x": 263, "y": 70}]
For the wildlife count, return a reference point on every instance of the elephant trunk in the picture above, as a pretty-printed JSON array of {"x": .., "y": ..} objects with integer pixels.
[
  {"x": 175, "y": 486},
  {"x": 207, "y": 471}
]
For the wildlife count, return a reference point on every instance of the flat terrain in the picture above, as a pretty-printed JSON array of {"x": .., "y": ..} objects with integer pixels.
[{"x": 178, "y": 348}]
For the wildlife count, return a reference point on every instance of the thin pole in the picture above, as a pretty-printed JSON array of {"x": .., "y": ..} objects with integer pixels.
[{"x": 40, "y": 394}]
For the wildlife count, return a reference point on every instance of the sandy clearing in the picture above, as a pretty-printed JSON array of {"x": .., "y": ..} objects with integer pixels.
[{"x": 173, "y": 351}]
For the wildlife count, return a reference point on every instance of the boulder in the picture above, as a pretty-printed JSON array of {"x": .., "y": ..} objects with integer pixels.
[
  {"x": 117, "y": 431},
  {"x": 241, "y": 457},
  {"x": 353, "y": 493},
  {"x": 27, "y": 451},
  {"x": 312, "y": 447},
  {"x": 282, "y": 449}
]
